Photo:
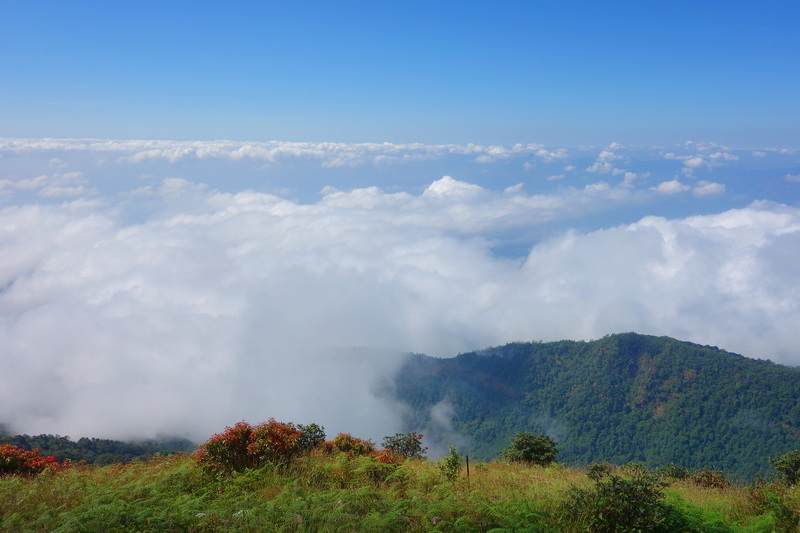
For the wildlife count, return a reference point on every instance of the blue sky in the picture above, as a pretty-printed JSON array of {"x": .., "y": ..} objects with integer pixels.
[
  {"x": 564, "y": 73},
  {"x": 194, "y": 196}
]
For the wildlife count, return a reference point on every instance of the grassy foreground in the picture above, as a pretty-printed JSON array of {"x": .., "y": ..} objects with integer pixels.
[{"x": 323, "y": 493}]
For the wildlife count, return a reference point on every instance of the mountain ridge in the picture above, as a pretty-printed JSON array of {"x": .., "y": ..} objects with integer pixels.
[{"x": 624, "y": 397}]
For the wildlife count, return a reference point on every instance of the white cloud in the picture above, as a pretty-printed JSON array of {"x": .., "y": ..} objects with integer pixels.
[
  {"x": 671, "y": 187},
  {"x": 447, "y": 187},
  {"x": 793, "y": 177},
  {"x": 604, "y": 164},
  {"x": 706, "y": 188},
  {"x": 629, "y": 179},
  {"x": 199, "y": 306}
]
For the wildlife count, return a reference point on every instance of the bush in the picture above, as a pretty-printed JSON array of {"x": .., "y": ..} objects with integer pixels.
[
  {"x": 407, "y": 444},
  {"x": 527, "y": 448},
  {"x": 274, "y": 442},
  {"x": 311, "y": 436},
  {"x": 450, "y": 464},
  {"x": 346, "y": 443},
  {"x": 598, "y": 471},
  {"x": 788, "y": 467},
  {"x": 16, "y": 461},
  {"x": 710, "y": 479},
  {"x": 771, "y": 498},
  {"x": 619, "y": 504},
  {"x": 244, "y": 446},
  {"x": 673, "y": 471}
]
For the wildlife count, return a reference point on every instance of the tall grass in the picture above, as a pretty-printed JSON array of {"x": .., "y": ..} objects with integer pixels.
[{"x": 322, "y": 493}]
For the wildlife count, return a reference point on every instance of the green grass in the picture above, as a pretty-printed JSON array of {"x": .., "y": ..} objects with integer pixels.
[{"x": 319, "y": 493}]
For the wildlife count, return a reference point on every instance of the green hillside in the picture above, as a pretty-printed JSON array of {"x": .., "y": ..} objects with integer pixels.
[{"x": 622, "y": 398}]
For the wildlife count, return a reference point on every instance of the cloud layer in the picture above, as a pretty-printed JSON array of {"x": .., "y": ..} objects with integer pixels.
[{"x": 180, "y": 307}]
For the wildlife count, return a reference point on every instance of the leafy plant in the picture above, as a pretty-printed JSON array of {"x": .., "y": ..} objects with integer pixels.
[
  {"x": 345, "y": 442},
  {"x": 15, "y": 461},
  {"x": 771, "y": 498},
  {"x": 619, "y": 504},
  {"x": 275, "y": 442},
  {"x": 673, "y": 471},
  {"x": 599, "y": 470},
  {"x": 708, "y": 478},
  {"x": 531, "y": 449},
  {"x": 450, "y": 464},
  {"x": 788, "y": 467},
  {"x": 244, "y": 446},
  {"x": 311, "y": 436},
  {"x": 407, "y": 444}
]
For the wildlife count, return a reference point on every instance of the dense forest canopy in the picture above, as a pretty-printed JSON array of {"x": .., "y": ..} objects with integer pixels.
[
  {"x": 625, "y": 397},
  {"x": 96, "y": 451}
]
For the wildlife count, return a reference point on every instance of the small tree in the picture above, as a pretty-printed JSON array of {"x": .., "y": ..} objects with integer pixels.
[
  {"x": 408, "y": 444},
  {"x": 450, "y": 464},
  {"x": 788, "y": 467},
  {"x": 311, "y": 436},
  {"x": 616, "y": 504},
  {"x": 531, "y": 449}
]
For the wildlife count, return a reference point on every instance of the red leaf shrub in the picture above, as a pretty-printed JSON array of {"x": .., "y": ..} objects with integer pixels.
[
  {"x": 245, "y": 446},
  {"x": 15, "y": 461},
  {"x": 352, "y": 446},
  {"x": 386, "y": 456}
]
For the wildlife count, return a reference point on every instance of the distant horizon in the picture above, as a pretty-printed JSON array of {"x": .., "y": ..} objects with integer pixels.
[{"x": 606, "y": 168}]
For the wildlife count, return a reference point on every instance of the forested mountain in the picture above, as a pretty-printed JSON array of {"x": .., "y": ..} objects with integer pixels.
[
  {"x": 96, "y": 451},
  {"x": 623, "y": 398}
]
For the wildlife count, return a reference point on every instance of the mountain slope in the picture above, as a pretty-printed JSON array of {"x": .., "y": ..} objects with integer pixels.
[{"x": 625, "y": 397}]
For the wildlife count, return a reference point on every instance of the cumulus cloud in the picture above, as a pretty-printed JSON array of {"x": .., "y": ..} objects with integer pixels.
[
  {"x": 328, "y": 154},
  {"x": 671, "y": 187},
  {"x": 604, "y": 164},
  {"x": 701, "y": 159},
  {"x": 211, "y": 306},
  {"x": 707, "y": 188}
]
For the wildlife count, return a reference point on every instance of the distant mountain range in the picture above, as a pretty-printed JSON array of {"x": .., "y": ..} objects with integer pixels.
[{"x": 625, "y": 397}]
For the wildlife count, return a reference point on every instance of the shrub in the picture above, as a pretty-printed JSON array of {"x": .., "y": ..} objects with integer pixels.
[
  {"x": 16, "y": 461},
  {"x": 619, "y": 504},
  {"x": 710, "y": 479},
  {"x": 244, "y": 446},
  {"x": 311, "y": 436},
  {"x": 346, "y": 443},
  {"x": 770, "y": 498},
  {"x": 275, "y": 442},
  {"x": 673, "y": 471},
  {"x": 386, "y": 456},
  {"x": 788, "y": 467},
  {"x": 598, "y": 471},
  {"x": 527, "y": 448},
  {"x": 407, "y": 444},
  {"x": 450, "y": 464}
]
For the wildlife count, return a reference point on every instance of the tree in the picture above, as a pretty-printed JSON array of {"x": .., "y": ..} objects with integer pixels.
[
  {"x": 531, "y": 449},
  {"x": 311, "y": 436},
  {"x": 407, "y": 444},
  {"x": 788, "y": 467}
]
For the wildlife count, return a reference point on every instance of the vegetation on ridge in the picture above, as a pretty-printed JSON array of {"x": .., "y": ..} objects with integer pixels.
[
  {"x": 254, "y": 478},
  {"x": 622, "y": 398}
]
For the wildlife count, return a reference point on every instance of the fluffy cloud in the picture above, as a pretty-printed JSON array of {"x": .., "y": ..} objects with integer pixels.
[
  {"x": 329, "y": 154},
  {"x": 671, "y": 187},
  {"x": 181, "y": 307},
  {"x": 604, "y": 164},
  {"x": 706, "y": 188}
]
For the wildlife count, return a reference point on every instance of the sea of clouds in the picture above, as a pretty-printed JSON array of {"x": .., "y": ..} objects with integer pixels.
[{"x": 159, "y": 287}]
